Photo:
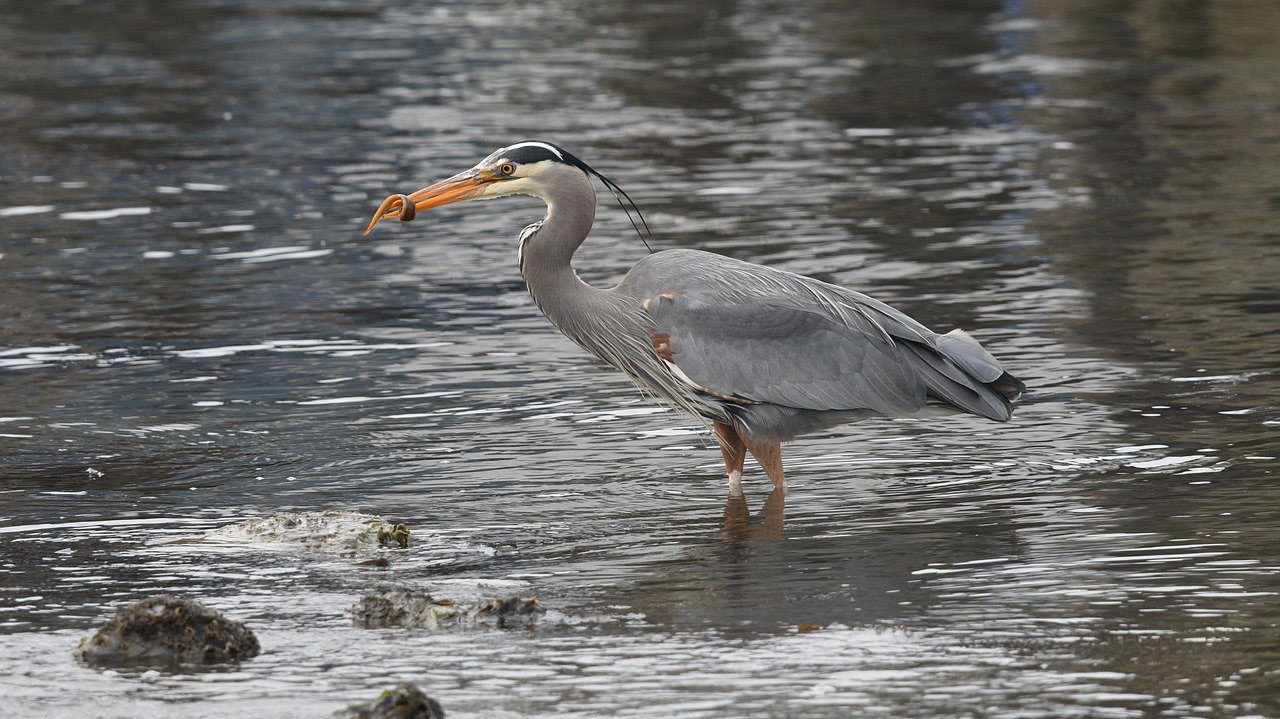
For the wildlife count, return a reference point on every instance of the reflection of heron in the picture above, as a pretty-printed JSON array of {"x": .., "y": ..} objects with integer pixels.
[
  {"x": 737, "y": 524},
  {"x": 763, "y": 354}
]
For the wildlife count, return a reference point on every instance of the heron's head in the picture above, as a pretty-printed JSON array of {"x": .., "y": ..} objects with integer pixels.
[{"x": 525, "y": 168}]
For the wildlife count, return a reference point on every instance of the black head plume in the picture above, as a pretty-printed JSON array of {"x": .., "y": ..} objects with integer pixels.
[{"x": 618, "y": 193}]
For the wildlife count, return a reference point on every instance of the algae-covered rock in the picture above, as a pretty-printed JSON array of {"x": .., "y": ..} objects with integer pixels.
[
  {"x": 409, "y": 608},
  {"x": 405, "y": 701},
  {"x": 402, "y": 608},
  {"x": 168, "y": 629},
  {"x": 389, "y": 535},
  {"x": 330, "y": 530},
  {"x": 512, "y": 612}
]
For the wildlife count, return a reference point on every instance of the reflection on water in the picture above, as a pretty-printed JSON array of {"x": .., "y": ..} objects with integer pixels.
[
  {"x": 192, "y": 333},
  {"x": 738, "y": 524}
]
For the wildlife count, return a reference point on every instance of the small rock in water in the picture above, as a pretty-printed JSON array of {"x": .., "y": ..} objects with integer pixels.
[
  {"x": 405, "y": 701},
  {"x": 391, "y": 534},
  {"x": 408, "y": 608},
  {"x": 328, "y": 530},
  {"x": 168, "y": 629},
  {"x": 512, "y": 612}
]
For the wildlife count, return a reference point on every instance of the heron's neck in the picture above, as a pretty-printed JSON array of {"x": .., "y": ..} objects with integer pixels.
[{"x": 546, "y": 258}]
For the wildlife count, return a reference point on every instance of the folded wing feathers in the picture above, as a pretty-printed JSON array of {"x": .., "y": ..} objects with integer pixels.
[
  {"x": 794, "y": 341},
  {"x": 953, "y": 361},
  {"x": 965, "y": 351}
]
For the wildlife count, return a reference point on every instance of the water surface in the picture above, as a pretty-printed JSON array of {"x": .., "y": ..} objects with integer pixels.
[{"x": 192, "y": 332}]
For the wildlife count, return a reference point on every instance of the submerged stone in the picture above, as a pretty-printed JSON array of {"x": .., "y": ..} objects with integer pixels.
[
  {"x": 405, "y": 701},
  {"x": 168, "y": 629},
  {"x": 332, "y": 530},
  {"x": 409, "y": 608}
]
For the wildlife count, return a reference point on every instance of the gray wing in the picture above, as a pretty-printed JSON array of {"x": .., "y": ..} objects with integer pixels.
[{"x": 761, "y": 335}]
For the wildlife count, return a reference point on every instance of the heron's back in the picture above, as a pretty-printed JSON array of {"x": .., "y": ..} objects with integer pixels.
[{"x": 816, "y": 353}]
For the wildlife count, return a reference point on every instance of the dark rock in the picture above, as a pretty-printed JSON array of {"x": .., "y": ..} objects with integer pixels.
[
  {"x": 512, "y": 612},
  {"x": 405, "y": 701},
  {"x": 168, "y": 629},
  {"x": 393, "y": 535},
  {"x": 409, "y": 608}
]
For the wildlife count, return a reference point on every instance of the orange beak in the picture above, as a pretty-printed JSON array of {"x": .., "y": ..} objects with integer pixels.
[{"x": 462, "y": 186}]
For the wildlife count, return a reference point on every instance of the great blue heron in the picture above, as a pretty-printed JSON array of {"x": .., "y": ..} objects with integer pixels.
[{"x": 763, "y": 354}]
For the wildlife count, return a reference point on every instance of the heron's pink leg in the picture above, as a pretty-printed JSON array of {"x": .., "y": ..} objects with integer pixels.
[
  {"x": 735, "y": 453},
  {"x": 769, "y": 454}
]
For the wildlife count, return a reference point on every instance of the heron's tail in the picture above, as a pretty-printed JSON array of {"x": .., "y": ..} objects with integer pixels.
[
  {"x": 958, "y": 371},
  {"x": 1010, "y": 387}
]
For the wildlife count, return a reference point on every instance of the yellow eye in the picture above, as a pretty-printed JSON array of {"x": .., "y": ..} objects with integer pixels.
[{"x": 507, "y": 169}]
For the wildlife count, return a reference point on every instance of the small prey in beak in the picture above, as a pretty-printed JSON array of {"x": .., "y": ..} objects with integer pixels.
[{"x": 463, "y": 186}]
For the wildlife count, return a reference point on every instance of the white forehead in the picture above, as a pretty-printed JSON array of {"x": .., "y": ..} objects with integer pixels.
[
  {"x": 548, "y": 147},
  {"x": 507, "y": 152}
]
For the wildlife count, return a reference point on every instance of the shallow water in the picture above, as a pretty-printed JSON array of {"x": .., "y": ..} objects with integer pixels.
[{"x": 192, "y": 332}]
